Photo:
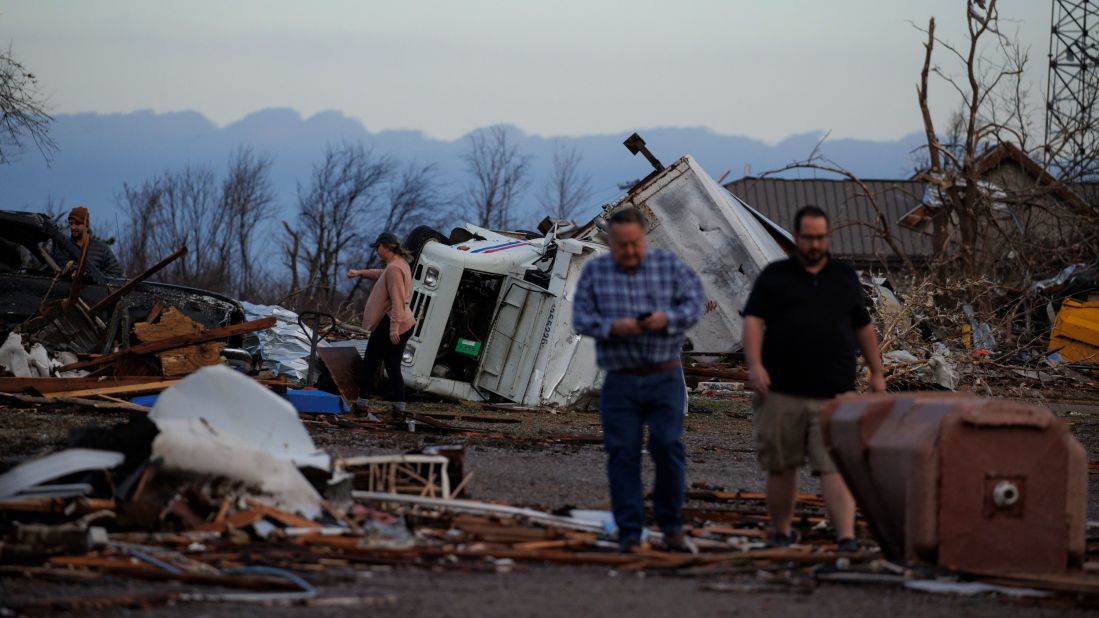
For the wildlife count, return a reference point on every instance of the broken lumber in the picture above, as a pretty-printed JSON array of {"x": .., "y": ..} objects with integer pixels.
[
  {"x": 130, "y": 389},
  {"x": 153, "y": 347},
  {"x": 46, "y": 386},
  {"x": 16, "y": 399},
  {"x": 180, "y": 361},
  {"x": 472, "y": 506},
  {"x": 126, "y": 287}
]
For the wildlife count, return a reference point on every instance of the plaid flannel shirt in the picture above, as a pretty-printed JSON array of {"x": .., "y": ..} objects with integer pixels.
[{"x": 605, "y": 293}]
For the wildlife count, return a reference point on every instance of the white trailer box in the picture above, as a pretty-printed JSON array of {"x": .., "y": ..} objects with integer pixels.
[{"x": 723, "y": 239}]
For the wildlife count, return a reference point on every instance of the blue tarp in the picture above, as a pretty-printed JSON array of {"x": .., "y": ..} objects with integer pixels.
[{"x": 304, "y": 401}]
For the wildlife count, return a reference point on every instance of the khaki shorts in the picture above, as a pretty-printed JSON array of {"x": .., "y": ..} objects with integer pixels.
[{"x": 786, "y": 429}]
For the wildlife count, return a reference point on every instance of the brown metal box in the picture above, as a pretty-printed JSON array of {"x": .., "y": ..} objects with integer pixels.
[{"x": 965, "y": 482}]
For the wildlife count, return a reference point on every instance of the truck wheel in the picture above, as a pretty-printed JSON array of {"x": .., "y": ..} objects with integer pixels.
[{"x": 418, "y": 237}]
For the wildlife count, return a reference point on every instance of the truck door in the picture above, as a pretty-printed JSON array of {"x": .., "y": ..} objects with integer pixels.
[{"x": 519, "y": 328}]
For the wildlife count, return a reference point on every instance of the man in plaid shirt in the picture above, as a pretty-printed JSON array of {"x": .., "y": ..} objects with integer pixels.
[{"x": 638, "y": 304}]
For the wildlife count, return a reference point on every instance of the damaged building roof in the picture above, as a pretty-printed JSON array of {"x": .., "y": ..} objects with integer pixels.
[{"x": 847, "y": 205}]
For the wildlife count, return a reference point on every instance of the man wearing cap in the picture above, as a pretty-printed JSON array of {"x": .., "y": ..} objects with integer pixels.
[{"x": 99, "y": 254}]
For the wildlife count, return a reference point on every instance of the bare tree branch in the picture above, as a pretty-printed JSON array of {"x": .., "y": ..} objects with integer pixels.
[
  {"x": 569, "y": 186},
  {"x": 23, "y": 114},
  {"x": 499, "y": 176}
]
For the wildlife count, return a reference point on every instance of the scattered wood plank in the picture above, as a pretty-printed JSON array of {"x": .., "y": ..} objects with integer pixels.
[
  {"x": 180, "y": 361},
  {"x": 57, "y": 505},
  {"x": 177, "y": 342},
  {"x": 30, "y": 400},
  {"x": 140, "y": 570},
  {"x": 130, "y": 389},
  {"x": 46, "y": 386},
  {"x": 473, "y": 418}
]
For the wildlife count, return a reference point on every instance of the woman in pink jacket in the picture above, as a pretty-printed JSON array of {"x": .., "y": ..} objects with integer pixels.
[{"x": 389, "y": 319}]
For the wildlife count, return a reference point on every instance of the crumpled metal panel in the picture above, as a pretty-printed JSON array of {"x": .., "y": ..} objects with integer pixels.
[
  {"x": 55, "y": 465},
  {"x": 283, "y": 349},
  {"x": 715, "y": 234}
]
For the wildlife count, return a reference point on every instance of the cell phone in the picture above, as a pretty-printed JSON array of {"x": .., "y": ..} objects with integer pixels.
[{"x": 644, "y": 316}]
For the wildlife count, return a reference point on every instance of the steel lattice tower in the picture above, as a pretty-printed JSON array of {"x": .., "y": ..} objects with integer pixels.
[{"x": 1072, "y": 137}]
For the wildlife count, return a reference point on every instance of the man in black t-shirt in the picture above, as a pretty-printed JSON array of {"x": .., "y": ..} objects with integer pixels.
[{"x": 804, "y": 322}]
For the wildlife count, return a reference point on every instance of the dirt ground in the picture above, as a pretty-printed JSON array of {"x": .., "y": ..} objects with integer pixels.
[{"x": 520, "y": 466}]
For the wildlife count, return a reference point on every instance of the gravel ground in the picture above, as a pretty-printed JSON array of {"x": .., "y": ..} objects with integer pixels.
[{"x": 521, "y": 467}]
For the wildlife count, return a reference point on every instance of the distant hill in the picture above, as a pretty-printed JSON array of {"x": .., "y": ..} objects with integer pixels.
[{"x": 100, "y": 152}]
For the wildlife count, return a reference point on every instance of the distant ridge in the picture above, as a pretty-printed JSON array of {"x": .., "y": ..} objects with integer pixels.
[{"x": 100, "y": 152}]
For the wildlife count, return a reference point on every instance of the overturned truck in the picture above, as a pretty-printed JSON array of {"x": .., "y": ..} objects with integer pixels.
[{"x": 494, "y": 309}]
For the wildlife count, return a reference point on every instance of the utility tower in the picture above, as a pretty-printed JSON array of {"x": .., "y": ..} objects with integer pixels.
[{"x": 1072, "y": 120}]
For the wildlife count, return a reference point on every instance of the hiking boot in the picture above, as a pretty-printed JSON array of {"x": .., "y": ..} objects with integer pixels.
[
  {"x": 397, "y": 412},
  {"x": 678, "y": 542},
  {"x": 778, "y": 539},
  {"x": 847, "y": 545},
  {"x": 629, "y": 546},
  {"x": 361, "y": 407}
]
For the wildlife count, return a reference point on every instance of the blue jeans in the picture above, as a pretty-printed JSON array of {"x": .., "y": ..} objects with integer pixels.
[{"x": 627, "y": 403}]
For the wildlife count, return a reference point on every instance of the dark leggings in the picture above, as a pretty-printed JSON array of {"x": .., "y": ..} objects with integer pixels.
[{"x": 379, "y": 349}]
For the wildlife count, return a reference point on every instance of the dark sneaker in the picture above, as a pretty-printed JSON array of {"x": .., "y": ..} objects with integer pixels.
[
  {"x": 847, "y": 545},
  {"x": 678, "y": 542},
  {"x": 629, "y": 546},
  {"x": 778, "y": 539},
  {"x": 397, "y": 415}
]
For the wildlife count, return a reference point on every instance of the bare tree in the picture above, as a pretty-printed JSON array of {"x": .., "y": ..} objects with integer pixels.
[
  {"x": 23, "y": 114},
  {"x": 499, "y": 175},
  {"x": 986, "y": 221},
  {"x": 179, "y": 209},
  {"x": 415, "y": 197},
  {"x": 217, "y": 220},
  {"x": 248, "y": 200},
  {"x": 333, "y": 214},
  {"x": 54, "y": 208},
  {"x": 569, "y": 186}
]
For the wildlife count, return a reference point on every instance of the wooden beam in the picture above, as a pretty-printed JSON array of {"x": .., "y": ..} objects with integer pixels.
[
  {"x": 129, "y": 389},
  {"x": 177, "y": 342},
  {"x": 74, "y": 287},
  {"x": 16, "y": 399},
  {"x": 61, "y": 385},
  {"x": 126, "y": 287}
]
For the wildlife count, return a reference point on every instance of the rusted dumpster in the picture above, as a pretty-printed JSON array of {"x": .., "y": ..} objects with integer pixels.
[{"x": 961, "y": 481}]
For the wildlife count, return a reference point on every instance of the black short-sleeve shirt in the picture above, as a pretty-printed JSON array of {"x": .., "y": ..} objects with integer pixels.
[{"x": 809, "y": 342}]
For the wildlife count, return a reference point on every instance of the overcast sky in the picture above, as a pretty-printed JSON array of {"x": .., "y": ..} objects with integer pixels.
[{"x": 755, "y": 68}]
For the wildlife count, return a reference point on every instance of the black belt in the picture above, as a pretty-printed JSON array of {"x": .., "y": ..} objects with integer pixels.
[{"x": 650, "y": 369}]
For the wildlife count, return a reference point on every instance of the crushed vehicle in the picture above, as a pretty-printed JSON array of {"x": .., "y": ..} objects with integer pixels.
[
  {"x": 494, "y": 318},
  {"x": 29, "y": 280},
  {"x": 493, "y": 309}
]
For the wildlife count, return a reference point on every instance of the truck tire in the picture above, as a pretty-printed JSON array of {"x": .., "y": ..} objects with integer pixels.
[{"x": 418, "y": 237}]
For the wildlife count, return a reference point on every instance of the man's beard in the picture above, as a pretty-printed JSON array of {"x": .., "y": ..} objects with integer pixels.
[{"x": 812, "y": 260}]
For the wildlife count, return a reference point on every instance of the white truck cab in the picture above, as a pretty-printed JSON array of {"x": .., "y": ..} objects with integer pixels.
[
  {"x": 494, "y": 309},
  {"x": 493, "y": 319}
]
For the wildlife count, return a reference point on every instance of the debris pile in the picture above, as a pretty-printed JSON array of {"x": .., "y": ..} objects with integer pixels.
[
  {"x": 235, "y": 503},
  {"x": 977, "y": 336}
]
